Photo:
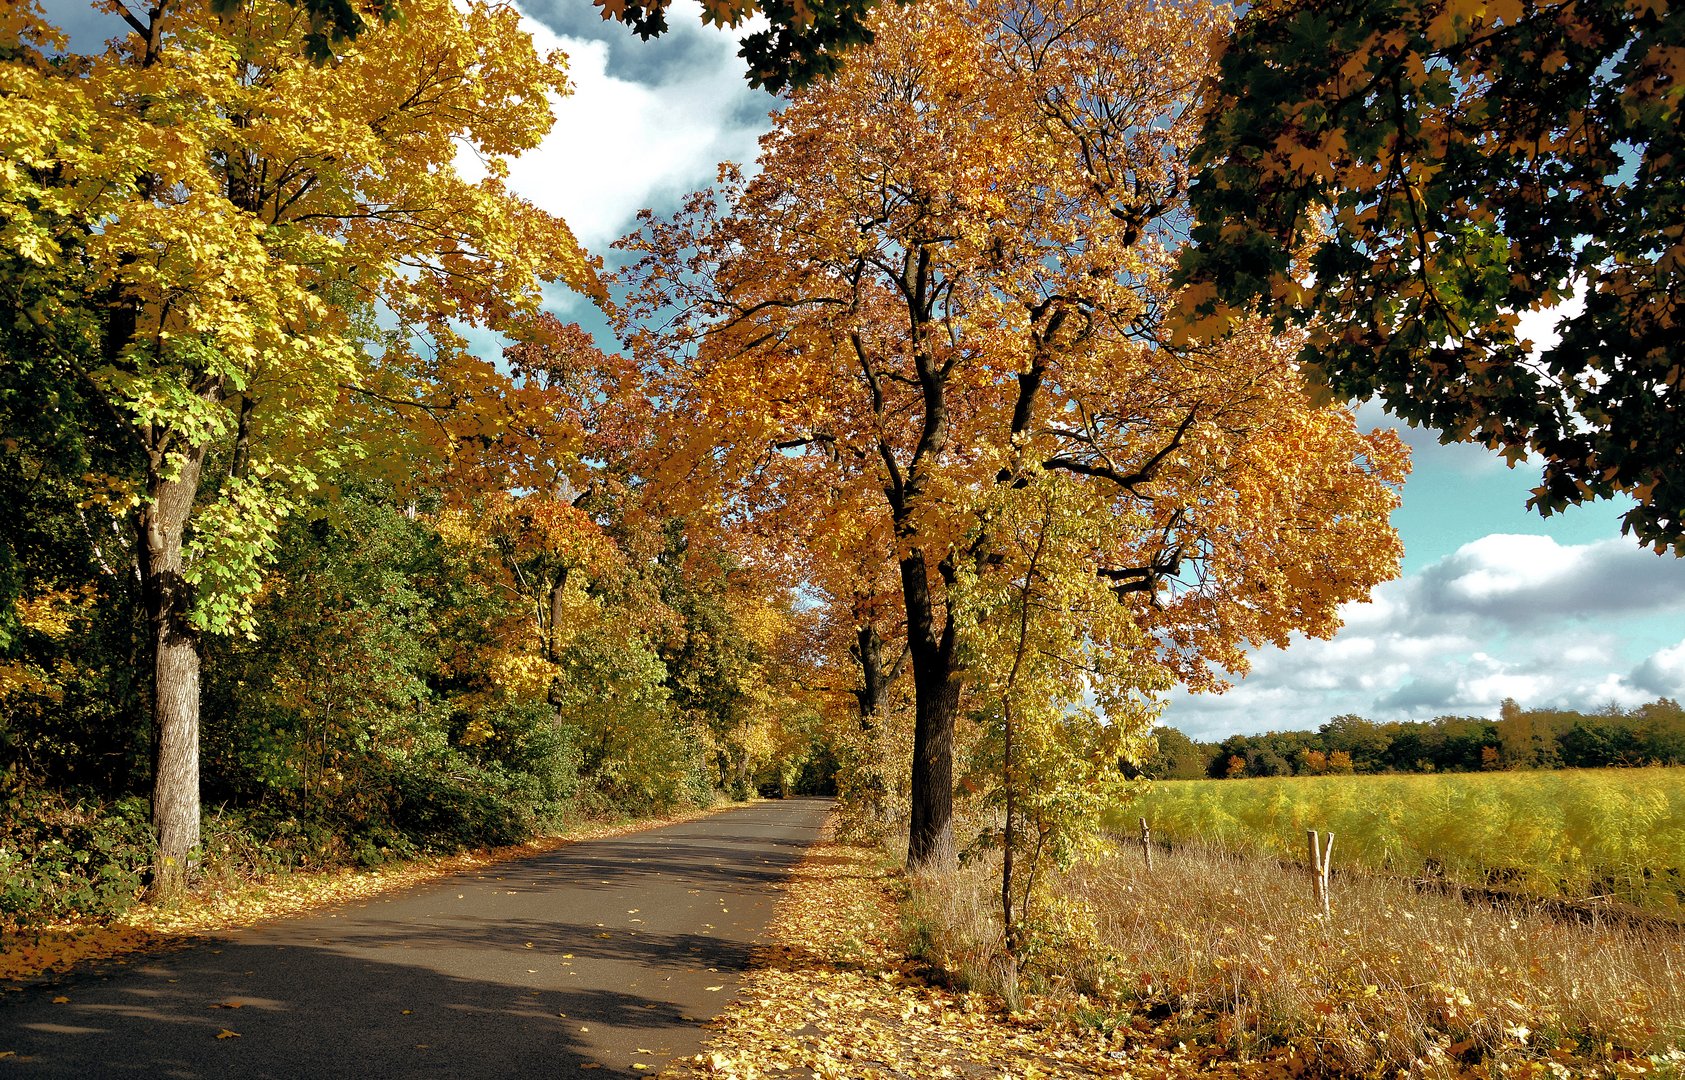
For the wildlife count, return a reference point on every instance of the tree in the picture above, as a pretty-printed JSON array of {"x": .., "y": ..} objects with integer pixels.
[
  {"x": 1406, "y": 178},
  {"x": 949, "y": 275},
  {"x": 800, "y": 43},
  {"x": 1177, "y": 757},
  {"x": 207, "y": 233},
  {"x": 1064, "y": 682}
]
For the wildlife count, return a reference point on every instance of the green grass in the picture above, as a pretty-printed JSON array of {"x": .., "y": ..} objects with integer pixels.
[{"x": 1588, "y": 834}]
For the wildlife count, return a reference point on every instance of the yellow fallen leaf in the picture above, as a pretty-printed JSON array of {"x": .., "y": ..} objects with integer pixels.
[
  {"x": 61, "y": 1000},
  {"x": 226, "y": 1034},
  {"x": 711, "y": 989}
]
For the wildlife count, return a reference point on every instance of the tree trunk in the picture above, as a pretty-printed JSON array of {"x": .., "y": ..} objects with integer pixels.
[
  {"x": 557, "y": 694},
  {"x": 875, "y": 675},
  {"x": 174, "y": 645},
  {"x": 936, "y": 696}
]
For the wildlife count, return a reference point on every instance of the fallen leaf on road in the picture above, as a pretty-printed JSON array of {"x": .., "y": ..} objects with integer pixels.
[
  {"x": 711, "y": 989},
  {"x": 61, "y": 1000},
  {"x": 229, "y": 1005},
  {"x": 226, "y": 1034}
]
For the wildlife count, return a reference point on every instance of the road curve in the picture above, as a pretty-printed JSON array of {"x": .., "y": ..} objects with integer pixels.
[{"x": 584, "y": 961}]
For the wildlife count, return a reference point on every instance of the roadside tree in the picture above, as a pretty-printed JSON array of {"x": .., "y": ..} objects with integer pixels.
[
  {"x": 950, "y": 276},
  {"x": 209, "y": 237},
  {"x": 1406, "y": 180}
]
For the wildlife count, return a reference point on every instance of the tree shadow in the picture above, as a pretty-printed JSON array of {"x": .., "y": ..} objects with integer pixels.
[{"x": 314, "y": 1012}]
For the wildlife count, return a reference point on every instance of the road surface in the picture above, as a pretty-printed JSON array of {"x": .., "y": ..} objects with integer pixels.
[{"x": 583, "y": 961}]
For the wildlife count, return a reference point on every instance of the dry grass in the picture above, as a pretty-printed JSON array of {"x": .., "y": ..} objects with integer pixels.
[{"x": 1223, "y": 950}]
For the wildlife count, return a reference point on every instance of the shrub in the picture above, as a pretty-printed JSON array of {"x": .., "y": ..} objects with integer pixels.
[{"x": 62, "y": 857}]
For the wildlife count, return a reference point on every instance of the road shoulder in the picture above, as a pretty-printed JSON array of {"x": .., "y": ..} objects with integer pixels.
[{"x": 831, "y": 994}]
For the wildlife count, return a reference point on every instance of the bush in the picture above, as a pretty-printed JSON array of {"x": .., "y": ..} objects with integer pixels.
[{"x": 62, "y": 858}]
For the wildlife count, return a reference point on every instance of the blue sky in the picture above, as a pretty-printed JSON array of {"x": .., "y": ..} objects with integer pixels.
[{"x": 1494, "y": 601}]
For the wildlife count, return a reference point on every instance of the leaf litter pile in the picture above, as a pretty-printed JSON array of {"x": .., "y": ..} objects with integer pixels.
[{"x": 832, "y": 995}]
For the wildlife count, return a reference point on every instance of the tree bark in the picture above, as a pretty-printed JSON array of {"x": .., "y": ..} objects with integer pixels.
[
  {"x": 174, "y": 644},
  {"x": 936, "y": 697},
  {"x": 877, "y": 674}
]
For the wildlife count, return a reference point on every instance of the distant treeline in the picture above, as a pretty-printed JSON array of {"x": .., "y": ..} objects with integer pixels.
[{"x": 1651, "y": 734}]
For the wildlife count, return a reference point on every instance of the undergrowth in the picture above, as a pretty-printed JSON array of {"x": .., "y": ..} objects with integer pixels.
[{"x": 1224, "y": 950}]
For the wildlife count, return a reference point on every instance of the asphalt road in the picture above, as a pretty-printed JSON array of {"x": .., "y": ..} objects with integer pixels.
[{"x": 579, "y": 962}]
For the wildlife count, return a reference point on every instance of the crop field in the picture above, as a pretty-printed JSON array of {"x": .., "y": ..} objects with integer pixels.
[{"x": 1582, "y": 835}]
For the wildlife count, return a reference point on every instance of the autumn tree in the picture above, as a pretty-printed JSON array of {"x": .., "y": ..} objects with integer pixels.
[
  {"x": 207, "y": 233},
  {"x": 1063, "y": 682},
  {"x": 950, "y": 275},
  {"x": 1446, "y": 166}
]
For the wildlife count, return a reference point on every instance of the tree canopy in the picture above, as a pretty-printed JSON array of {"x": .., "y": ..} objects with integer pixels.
[
  {"x": 1406, "y": 178},
  {"x": 949, "y": 276},
  {"x": 798, "y": 43}
]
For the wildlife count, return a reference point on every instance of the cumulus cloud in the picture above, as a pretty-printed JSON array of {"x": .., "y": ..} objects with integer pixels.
[
  {"x": 647, "y": 122},
  {"x": 1662, "y": 673},
  {"x": 1503, "y": 616},
  {"x": 1517, "y": 580}
]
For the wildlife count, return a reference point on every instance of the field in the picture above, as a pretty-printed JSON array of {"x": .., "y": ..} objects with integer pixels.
[{"x": 1596, "y": 835}]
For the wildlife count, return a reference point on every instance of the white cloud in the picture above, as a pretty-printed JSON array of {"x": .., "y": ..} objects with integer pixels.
[
  {"x": 1504, "y": 616},
  {"x": 1517, "y": 580},
  {"x": 620, "y": 145},
  {"x": 1662, "y": 672}
]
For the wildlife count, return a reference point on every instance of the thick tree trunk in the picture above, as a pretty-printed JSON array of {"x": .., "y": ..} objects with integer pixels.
[
  {"x": 174, "y": 645},
  {"x": 936, "y": 697}
]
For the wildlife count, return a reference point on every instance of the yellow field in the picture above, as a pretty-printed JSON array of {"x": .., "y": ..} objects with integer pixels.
[{"x": 1616, "y": 834}]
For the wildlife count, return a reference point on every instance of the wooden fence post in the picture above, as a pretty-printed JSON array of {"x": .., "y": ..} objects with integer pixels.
[
  {"x": 1322, "y": 858},
  {"x": 1147, "y": 845}
]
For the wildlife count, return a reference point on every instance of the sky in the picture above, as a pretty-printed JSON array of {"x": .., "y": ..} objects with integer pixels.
[{"x": 1493, "y": 601}]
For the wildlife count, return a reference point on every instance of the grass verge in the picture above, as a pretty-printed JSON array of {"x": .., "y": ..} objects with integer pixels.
[
  {"x": 1222, "y": 953},
  {"x": 834, "y": 994}
]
